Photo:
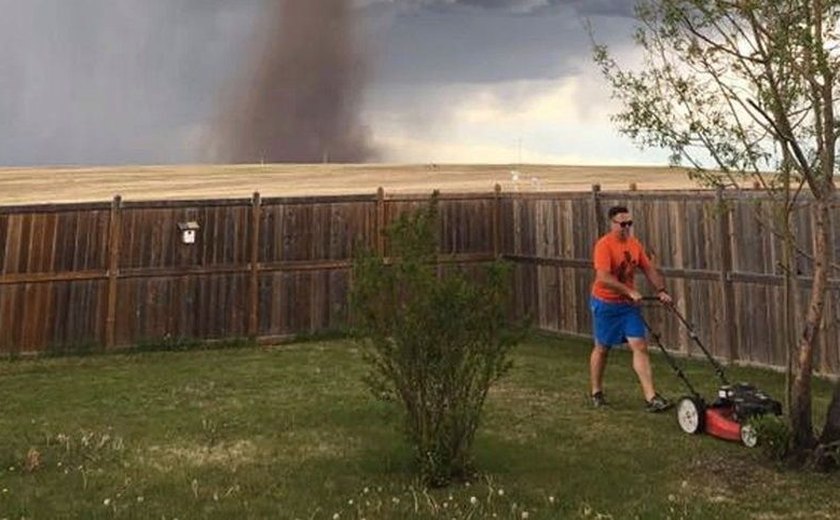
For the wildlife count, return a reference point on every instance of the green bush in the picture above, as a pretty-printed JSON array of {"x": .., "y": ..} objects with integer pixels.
[
  {"x": 774, "y": 436},
  {"x": 435, "y": 342}
]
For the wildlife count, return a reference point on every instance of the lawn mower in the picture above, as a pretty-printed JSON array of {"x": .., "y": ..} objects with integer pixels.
[{"x": 727, "y": 417}]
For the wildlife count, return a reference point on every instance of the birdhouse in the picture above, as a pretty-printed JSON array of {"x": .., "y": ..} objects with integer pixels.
[{"x": 188, "y": 230}]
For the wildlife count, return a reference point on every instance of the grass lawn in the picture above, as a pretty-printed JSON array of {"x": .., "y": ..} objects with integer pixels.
[{"x": 290, "y": 432}]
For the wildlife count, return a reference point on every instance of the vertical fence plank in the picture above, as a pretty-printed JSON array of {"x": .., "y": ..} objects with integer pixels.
[
  {"x": 597, "y": 214},
  {"x": 728, "y": 322},
  {"x": 254, "y": 280},
  {"x": 379, "y": 225},
  {"x": 497, "y": 217},
  {"x": 114, "y": 236},
  {"x": 682, "y": 296}
]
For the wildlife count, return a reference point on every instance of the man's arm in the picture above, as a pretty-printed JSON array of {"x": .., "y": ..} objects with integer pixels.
[{"x": 658, "y": 281}]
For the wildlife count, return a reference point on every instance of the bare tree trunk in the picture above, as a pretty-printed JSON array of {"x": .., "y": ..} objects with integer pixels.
[
  {"x": 791, "y": 306},
  {"x": 800, "y": 413},
  {"x": 790, "y": 312},
  {"x": 831, "y": 430}
]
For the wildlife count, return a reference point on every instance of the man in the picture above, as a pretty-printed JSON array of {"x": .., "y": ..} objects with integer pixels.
[{"x": 616, "y": 316}]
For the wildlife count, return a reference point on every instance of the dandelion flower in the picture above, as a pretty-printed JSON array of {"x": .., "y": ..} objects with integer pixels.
[
  {"x": 336, "y": 516},
  {"x": 106, "y": 502},
  {"x": 671, "y": 498},
  {"x": 524, "y": 515},
  {"x": 551, "y": 499},
  {"x": 350, "y": 502},
  {"x": 365, "y": 491},
  {"x": 501, "y": 492},
  {"x": 140, "y": 499},
  {"x": 395, "y": 500},
  {"x": 473, "y": 500}
]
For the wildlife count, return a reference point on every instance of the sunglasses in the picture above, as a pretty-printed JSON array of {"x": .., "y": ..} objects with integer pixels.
[{"x": 625, "y": 224}]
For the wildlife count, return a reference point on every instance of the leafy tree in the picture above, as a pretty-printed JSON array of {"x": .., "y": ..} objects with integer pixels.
[
  {"x": 746, "y": 87},
  {"x": 435, "y": 342}
]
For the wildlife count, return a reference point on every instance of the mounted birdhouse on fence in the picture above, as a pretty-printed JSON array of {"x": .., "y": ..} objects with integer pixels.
[{"x": 188, "y": 230}]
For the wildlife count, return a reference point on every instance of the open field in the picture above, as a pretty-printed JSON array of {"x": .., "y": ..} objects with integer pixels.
[
  {"x": 291, "y": 432},
  {"x": 34, "y": 185}
]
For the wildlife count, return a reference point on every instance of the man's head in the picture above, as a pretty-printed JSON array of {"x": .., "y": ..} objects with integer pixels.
[{"x": 621, "y": 221}]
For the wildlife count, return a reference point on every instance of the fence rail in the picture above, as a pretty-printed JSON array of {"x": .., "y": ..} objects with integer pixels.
[{"x": 115, "y": 274}]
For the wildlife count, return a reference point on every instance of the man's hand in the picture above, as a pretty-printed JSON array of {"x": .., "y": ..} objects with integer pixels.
[
  {"x": 664, "y": 297},
  {"x": 634, "y": 295}
]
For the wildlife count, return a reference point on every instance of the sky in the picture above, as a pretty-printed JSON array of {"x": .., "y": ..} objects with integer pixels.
[{"x": 112, "y": 82}]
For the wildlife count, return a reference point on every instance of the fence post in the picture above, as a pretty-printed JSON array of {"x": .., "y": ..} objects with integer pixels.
[
  {"x": 730, "y": 336},
  {"x": 596, "y": 209},
  {"x": 254, "y": 282},
  {"x": 380, "y": 222},
  {"x": 497, "y": 218},
  {"x": 114, "y": 237}
]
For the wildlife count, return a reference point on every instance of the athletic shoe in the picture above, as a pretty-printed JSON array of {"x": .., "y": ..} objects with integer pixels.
[
  {"x": 598, "y": 399},
  {"x": 658, "y": 404}
]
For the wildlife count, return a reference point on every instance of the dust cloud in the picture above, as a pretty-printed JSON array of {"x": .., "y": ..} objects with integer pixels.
[{"x": 299, "y": 101}]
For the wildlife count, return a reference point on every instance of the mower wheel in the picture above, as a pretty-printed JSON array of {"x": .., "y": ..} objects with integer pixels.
[
  {"x": 691, "y": 415},
  {"x": 749, "y": 436}
]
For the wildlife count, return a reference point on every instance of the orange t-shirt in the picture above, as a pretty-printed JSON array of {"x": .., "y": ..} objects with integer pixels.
[{"x": 619, "y": 259}]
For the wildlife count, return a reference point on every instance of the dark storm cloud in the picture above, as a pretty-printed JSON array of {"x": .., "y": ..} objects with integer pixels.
[
  {"x": 113, "y": 81},
  {"x": 583, "y": 7},
  {"x": 487, "y": 41}
]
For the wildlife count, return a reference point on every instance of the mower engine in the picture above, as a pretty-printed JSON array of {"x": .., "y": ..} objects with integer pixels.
[{"x": 746, "y": 401}]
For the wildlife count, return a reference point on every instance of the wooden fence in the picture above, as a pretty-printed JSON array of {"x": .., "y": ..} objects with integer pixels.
[
  {"x": 721, "y": 260},
  {"x": 115, "y": 274}
]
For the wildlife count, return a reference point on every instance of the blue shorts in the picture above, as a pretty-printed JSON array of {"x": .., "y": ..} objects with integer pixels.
[{"x": 613, "y": 323}]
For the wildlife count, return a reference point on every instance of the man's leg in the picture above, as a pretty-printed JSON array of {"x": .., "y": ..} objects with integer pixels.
[
  {"x": 597, "y": 364},
  {"x": 641, "y": 364}
]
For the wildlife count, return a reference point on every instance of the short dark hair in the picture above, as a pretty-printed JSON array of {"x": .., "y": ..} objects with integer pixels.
[{"x": 617, "y": 210}]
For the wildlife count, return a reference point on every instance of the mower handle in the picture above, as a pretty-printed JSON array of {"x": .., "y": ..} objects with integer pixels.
[
  {"x": 670, "y": 359},
  {"x": 651, "y": 299},
  {"x": 693, "y": 335}
]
